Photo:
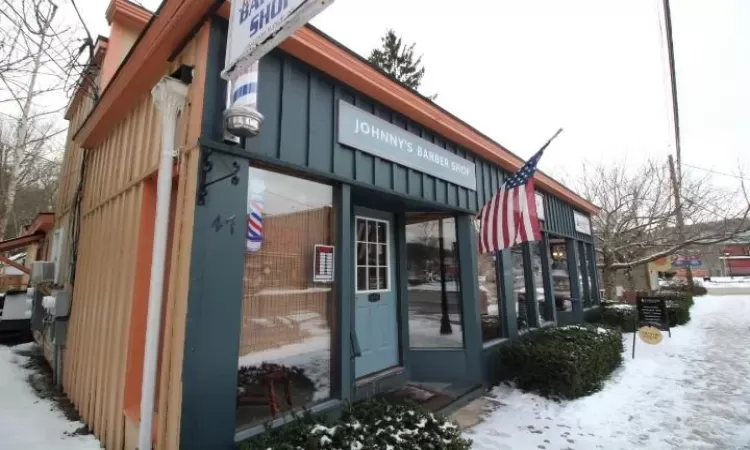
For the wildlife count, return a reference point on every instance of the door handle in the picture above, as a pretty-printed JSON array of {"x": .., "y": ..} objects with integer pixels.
[{"x": 356, "y": 351}]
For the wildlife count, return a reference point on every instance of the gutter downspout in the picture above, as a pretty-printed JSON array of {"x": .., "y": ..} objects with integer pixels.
[{"x": 169, "y": 96}]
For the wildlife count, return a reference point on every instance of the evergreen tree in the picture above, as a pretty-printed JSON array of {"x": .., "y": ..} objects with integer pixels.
[{"x": 398, "y": 60}]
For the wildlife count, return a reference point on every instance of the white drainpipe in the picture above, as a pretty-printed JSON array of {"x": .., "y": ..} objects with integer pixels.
[{"x": 169, "y": 96}]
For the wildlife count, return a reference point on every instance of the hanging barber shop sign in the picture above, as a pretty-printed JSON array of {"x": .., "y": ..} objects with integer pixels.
[{"x": 257, "y": 26}]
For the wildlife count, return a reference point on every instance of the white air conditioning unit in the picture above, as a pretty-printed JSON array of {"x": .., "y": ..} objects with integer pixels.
[{"x": 42, "y": 272}]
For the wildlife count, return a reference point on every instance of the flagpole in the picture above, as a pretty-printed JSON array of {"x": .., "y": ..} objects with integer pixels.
[
  {"x": 557, "y": 133},
  {"x": 480, "y": 230}
]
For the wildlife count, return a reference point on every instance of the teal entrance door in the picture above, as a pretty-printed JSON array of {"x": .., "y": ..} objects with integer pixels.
[{"x": 375, "y": 319}]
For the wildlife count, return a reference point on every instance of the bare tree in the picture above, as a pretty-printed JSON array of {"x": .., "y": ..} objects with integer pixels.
[
  {"x": 637, "y": 223},
  {"x": 35, "y": 80}
]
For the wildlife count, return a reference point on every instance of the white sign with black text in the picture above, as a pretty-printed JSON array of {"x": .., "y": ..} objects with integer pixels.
[
  {"x": 582, "y": 223},
  {"x": 539, "y": 205},
  {"x": 257, "y": 26}
]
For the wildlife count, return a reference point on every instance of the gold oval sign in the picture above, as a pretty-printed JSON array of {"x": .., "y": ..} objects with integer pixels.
[{"x": 650, "y": 335}]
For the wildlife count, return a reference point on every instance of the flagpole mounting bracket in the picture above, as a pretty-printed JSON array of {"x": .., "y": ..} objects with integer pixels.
[{"x": 206, "y": 167}]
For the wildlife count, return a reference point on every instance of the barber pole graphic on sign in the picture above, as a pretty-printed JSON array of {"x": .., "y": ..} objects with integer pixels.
[{"x": 257, "y": 26}]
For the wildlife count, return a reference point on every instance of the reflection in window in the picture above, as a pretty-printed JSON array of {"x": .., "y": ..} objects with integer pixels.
[
  {"x": 539, "y": 274},
  {"x": 434, "y": 289},
  {"x": 524, "y": 310},
  {"x": 285, "y": 344},
  {"x": 489, "y": 300},
  {"x": 592, "y": 273},
  {"x": 583, "y": 275},
  {"x": 560, "y": 278}
]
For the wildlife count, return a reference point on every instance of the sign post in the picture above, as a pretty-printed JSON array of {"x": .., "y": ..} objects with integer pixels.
[
  {"x": 651, "y": 319},
  {"x": 255, "y": 28}
]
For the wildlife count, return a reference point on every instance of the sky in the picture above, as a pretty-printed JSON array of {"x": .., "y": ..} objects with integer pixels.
[{"x": 519, "y": 70}]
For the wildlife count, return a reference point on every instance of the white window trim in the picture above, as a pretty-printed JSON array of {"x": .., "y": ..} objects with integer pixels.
[{"x": 389, "y": 265}]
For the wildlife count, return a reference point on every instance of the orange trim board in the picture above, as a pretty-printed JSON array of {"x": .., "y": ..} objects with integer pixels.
[{"x": 146, "y": 63}]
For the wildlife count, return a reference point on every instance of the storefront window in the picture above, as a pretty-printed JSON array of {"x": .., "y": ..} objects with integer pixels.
[
  {"x": 489, "y": 298},
  {"x": 524, "y": 308},
  {"x": 584, "y": 275},
  {"x": 539, "y": 274},
  {"x": 592, "y": 271},
  {"x": 433, "y": 283},
  {"x": 560, "y": 277},
  {"x": 288, "y": 304}
]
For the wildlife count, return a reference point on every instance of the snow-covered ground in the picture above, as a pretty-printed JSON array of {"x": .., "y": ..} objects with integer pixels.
[
  {"x": 689, "y": 392},
  {"x": 28, "y": 422}
]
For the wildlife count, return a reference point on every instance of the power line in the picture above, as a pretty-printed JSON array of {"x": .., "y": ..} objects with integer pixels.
[{"x": 717, "y": 172}]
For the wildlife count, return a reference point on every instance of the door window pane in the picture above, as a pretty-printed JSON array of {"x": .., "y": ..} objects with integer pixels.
[
  {"x": 285, "y": 341},
  {"x": 361, "y": 278},
  {"x": 381, "y": 232},
  {"x": 382, "y": 278},
  {"x": 434, "y": 289},
  {"x": 382, "y": 252}
]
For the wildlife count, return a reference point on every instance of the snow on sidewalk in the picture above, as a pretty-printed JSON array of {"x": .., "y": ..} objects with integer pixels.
[
  {"x": 689, "y": 392},
  {"x": 28, "y": 422}
]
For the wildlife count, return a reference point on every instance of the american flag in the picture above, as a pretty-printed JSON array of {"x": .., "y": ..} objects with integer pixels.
[{"x": 510, "y": 217}]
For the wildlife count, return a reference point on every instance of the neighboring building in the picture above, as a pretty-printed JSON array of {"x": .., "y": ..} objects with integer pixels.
[
  {"x": 16, "y": 256},
  {"x": 367, "y": 275},
  {"x": 31, "y": 245},
  {"x": 736, "y": 256}
]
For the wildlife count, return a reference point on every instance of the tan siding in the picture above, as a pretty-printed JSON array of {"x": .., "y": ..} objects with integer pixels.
[{"x": 96, "y": 355}]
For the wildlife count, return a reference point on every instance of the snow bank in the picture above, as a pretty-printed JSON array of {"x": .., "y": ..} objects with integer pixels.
[
  {"x": 28, "y": 422},
  {"x": 688, "y": 392}
]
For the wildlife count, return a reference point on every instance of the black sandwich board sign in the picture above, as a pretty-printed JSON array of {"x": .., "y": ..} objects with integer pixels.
[{"x": 651, "y": 318}]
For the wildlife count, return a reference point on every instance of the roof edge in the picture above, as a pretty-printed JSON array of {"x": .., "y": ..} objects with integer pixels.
[{"x": 322, "y": 52}]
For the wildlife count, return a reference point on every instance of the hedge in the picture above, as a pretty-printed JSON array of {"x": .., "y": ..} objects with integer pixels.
[
  {"x": 622, "y": 315},
  {"x": 681, "y": 287},
  {"x": 371, "y": 425},
  {"x": 561, "y": 363}
]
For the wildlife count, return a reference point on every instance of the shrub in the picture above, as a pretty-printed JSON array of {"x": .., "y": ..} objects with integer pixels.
[
  {"x": 371, "y": 425},
  {"x": 619, "y": 315},
  {"x": 678, "y": 311},
  {"x": 562, "y": 363},
  {"x": 681, "y": 287}
]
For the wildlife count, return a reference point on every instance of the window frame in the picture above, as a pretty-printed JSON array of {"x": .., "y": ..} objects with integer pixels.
[{"x": 389, "y": 266}]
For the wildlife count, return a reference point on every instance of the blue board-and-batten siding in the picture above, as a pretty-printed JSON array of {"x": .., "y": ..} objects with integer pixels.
[
  {"x": 559, "y": 219},
  {"x": 300, "y": 128},
  {"x": 299, "y": 131}
]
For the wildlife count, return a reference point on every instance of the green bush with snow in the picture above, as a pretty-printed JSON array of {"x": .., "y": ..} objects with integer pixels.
[
  {"x": 370, "y": 425},
  {"x": 561, "y": 363}
]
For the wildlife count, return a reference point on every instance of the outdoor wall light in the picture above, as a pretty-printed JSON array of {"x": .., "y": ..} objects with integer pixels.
[{"x": 243, "y": 121}]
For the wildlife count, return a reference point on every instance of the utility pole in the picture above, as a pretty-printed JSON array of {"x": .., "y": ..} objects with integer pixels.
[
  {"x": 678, "y": 215},
  {"x": 673, "y": 84}
]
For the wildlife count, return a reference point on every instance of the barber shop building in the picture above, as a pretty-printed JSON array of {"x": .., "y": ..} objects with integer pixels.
[{"x": 330, "y": 259}]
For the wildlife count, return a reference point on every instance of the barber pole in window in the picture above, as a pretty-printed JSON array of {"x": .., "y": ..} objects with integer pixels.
[{"x": 254, "y": 239}]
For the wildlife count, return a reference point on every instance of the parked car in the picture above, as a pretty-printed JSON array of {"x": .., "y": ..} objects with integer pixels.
[{"x": 15, "y": 316}]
